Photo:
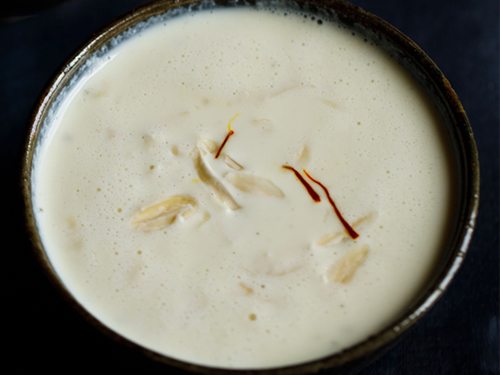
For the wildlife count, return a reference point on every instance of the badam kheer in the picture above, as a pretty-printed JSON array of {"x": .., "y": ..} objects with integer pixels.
[{"x": 243, "y": 188}]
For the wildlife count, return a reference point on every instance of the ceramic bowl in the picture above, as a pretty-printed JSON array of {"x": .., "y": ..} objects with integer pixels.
[{"x": 394, "y": 43}]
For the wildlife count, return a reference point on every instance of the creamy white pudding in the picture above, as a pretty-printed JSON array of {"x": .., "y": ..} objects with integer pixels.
[{"x": 229, "y": 261}]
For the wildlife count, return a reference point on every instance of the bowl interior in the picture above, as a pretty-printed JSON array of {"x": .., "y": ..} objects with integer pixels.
[{"x": 456, "y": 129}]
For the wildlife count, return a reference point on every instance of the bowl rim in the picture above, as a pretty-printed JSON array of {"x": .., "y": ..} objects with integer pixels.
[{"x": 462, "y": 138}]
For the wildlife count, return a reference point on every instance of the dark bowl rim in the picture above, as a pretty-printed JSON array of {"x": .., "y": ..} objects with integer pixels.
[{"x": 463, "y": 139}]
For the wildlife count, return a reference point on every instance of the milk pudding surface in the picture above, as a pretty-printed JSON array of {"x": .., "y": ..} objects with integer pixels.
[{"x": 234, "y": 261}]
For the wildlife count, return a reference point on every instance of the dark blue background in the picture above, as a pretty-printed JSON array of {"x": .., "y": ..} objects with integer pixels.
[{"x": 459, "y": 336}]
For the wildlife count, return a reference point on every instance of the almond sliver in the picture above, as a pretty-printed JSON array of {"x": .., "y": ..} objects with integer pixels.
[
  {"x": 345, "y": 269},
  {"x": 252, "y": 184},
  {"x": 163, "y": 213},
  {"x": 337, "y": 237},
  {"x": 231, "y": 163},
  {"x": 217, "y": 188}
]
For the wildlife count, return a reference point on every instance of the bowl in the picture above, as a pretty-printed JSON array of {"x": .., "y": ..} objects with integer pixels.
[{"x": 384, "y": 36}]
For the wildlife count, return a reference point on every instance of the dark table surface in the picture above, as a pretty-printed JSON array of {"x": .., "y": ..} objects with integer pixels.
[{"x": 460, "y": 335}]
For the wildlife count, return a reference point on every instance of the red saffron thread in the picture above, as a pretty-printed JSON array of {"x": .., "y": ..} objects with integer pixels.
[
  {"x": 230, "y": 132},
  {"x": 346, "y": 225},
  {"x": 228, "y": 135},
  {"x": 315, "y": 196}
]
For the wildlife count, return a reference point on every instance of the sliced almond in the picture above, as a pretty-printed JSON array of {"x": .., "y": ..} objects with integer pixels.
[
  {"x": 290, "y": 88},
  {"x": 175, "y": 150},
  {"x": 331, "y": 238},
  {"x": 252, "y": 184},
  {"x": 231, "y": 163},
  {"x": 282, "y": 270},
  {"x": 187, "y": 213},
  {"x": 199, "y": 217},
  {"x": 246, "y": 289},
  {"x": 205, "y": 216},
  {"x": 345, "y": 269},
  {"x": 217, "y": 188},
  {"x": 337, "y": 237},
  {"x": 284, "y": 90},
  {"x": 207, "y": 146},
  {"x": 162, "y": 214},
  {"x": 275, "y": 265},
  {"x": 303, "y": 155},
  {"x": 330, "y": 103}
]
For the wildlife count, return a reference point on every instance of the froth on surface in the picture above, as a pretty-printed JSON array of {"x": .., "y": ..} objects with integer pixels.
[{"x": 250, "y": 287}]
